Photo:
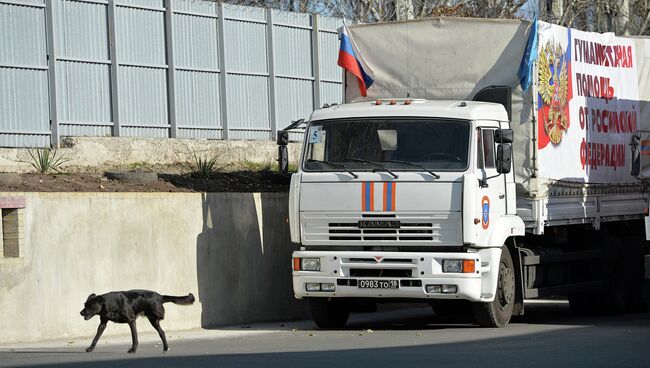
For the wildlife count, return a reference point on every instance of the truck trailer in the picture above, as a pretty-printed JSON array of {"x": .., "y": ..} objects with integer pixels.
[{"x": 474, "y": 164}]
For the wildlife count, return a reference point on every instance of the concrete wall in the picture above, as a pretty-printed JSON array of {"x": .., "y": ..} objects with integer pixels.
[
  {"x": 85, "y": 153},
  {"x": 231, "y": 250}
]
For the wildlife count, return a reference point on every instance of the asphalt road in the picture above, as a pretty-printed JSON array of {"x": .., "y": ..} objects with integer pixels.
[{"x": 548, "y": 336}]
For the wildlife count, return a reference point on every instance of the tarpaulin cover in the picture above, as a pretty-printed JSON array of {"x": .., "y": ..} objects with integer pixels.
[{"x": 571, "y": 127}]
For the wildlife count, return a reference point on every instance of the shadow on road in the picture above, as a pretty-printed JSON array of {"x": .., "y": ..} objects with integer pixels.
[{"x": 567, "y": 347}]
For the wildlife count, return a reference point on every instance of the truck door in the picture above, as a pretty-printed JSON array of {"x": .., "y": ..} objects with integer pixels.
[{"x": 492, "y": 189}]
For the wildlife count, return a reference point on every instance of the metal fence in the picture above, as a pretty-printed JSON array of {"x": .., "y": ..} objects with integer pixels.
[{"x": 159, "y": 68}]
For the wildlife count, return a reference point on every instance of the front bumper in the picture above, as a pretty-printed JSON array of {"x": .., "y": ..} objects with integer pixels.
[{"x": 413, "y": 272}]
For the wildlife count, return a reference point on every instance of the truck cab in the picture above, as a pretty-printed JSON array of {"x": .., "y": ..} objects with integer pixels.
[{"x": 409, "y": 200}]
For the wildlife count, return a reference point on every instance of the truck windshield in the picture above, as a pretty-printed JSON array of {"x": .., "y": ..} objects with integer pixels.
[{"x": 397, "y": 144}]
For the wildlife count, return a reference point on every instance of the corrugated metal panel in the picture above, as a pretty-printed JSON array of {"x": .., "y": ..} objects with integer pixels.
[
  {"x": 66, "y": 130},
  {"x": 195, "y": 42},
  {"x": 248, "y": 102},
  {"x": 292, "y": 51},
  {"x": 140, "y": 36},
  {"x": 23, "y": 103},
  {"x": 291, "y": 18},
  {"x": 248, "y": 135},
  {"x": 22, "y": 141},
  {"x": 146, "y": 132},
  {"x": 143, "y": 96},
  {"x": 331, "y": 92},
  {"x": 35, "y": 2},
  {"x": 83, "y": 89},
  {"x": 245, "y": 47},
  {"x": 203, "y": 7},
  {"x": 82, "y": 30},
  {"x": 199, "y": 134},
  {"x": 147, "y": 3},
  {"x": 22, "y": 35},
  {"x": 329, "y": 23},
  {"x": 83, "y": 92},
  {"x": 329, "y": 53},
  {"x": 197, "y": 99},
  {"x": 293, "y": 100},
  {"x": 244, "y": 12}
]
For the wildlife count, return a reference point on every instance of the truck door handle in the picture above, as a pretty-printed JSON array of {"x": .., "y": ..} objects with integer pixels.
[{"x": 502, "y": 196}]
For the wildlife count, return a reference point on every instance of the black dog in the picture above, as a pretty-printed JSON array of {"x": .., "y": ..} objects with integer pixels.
[{"x": 126, "y": 306}]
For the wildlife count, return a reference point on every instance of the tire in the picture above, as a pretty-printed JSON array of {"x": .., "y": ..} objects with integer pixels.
[
  {"x": 498, "y": 312},
  {"x": 329, "y": 314},
  {"x": 133, "y": 177}
]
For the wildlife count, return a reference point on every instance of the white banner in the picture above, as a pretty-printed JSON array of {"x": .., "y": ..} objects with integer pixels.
[{"x": 587, "y": 104}]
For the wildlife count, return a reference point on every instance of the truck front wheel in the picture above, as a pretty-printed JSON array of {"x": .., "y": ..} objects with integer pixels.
[
  {"x": 327, "y": 314},
  {"x": 498, "y": 312}
]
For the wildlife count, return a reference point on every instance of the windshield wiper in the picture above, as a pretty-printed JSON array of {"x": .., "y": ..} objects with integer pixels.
[
  {"x": 336, "y": 164},
  {"x": 384, "y": 168},
  {"x": 416, "y": 165}
]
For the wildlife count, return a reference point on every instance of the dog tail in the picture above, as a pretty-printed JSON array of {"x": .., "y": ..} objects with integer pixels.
[{"x": 182, "y": 300}]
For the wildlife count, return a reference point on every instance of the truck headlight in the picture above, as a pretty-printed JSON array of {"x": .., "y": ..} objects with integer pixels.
[
  {"x": 310, "y": 264},
  {"x": 452, "y": 265},
  {"x": 458, "y": 265}
]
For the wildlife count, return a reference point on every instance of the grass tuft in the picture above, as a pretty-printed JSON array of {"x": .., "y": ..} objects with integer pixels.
[{"x": 47, "y": 160}]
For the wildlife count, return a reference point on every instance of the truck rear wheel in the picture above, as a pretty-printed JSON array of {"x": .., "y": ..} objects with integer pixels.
[
  {"x": 329, "y": 314},
  {"x": 498, "y": 312}
]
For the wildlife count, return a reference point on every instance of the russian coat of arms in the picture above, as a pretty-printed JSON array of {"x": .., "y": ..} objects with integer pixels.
[{"x": 553, "y": 86}]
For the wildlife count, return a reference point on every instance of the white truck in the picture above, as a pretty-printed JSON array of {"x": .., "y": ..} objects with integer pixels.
[{"x": 450, "y": 184}]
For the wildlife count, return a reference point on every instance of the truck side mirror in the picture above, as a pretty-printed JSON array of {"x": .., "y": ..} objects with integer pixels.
[
  {"x": 283, "y": 160},
  {"x": 283, "y": 152},
  {"x": 283, "y": 138},
  {"x": 504, "y": 136},
  {"x": 635, "y": 141},
  {"x": 504, "y": 158}
]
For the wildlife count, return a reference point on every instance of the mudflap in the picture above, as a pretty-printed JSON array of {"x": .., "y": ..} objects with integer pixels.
[{"x": 518, "y": 309}]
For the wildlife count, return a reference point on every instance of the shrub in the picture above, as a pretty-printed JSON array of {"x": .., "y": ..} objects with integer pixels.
[
  {"x": 47, "y": 160},
  {"x": 203, "y": 167}
]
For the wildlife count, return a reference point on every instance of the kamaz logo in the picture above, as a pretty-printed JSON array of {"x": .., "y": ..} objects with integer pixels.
[{"x": 379, "y": 224}]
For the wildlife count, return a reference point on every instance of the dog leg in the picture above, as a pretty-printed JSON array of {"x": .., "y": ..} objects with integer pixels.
[
  {"x": 134, "y": 336},
  {"x": 100, "y": 330},
  {"x": 156, "y": 324}
]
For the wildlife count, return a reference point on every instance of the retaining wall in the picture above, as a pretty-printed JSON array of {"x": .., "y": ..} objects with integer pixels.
[
  {"x": 232, "y": 250},
  {"x": 83, "y": 153}
]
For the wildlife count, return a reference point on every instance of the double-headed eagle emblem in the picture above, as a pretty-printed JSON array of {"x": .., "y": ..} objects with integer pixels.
[{"x": 553, "y": 89}]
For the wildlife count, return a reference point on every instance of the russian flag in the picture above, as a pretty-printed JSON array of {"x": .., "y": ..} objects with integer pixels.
[{"x": 350, "y": 60}]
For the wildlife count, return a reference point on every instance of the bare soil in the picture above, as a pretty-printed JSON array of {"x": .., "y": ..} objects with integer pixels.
[{"x": 233, "y": 181}]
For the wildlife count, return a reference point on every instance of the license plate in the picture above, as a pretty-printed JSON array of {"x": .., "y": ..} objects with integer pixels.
[{"x": 378, "y": 284}]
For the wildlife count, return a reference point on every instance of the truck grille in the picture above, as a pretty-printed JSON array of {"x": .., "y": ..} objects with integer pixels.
[
  {"x": 405, "y": 232},
  {"x": 381, "y": 229}
]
